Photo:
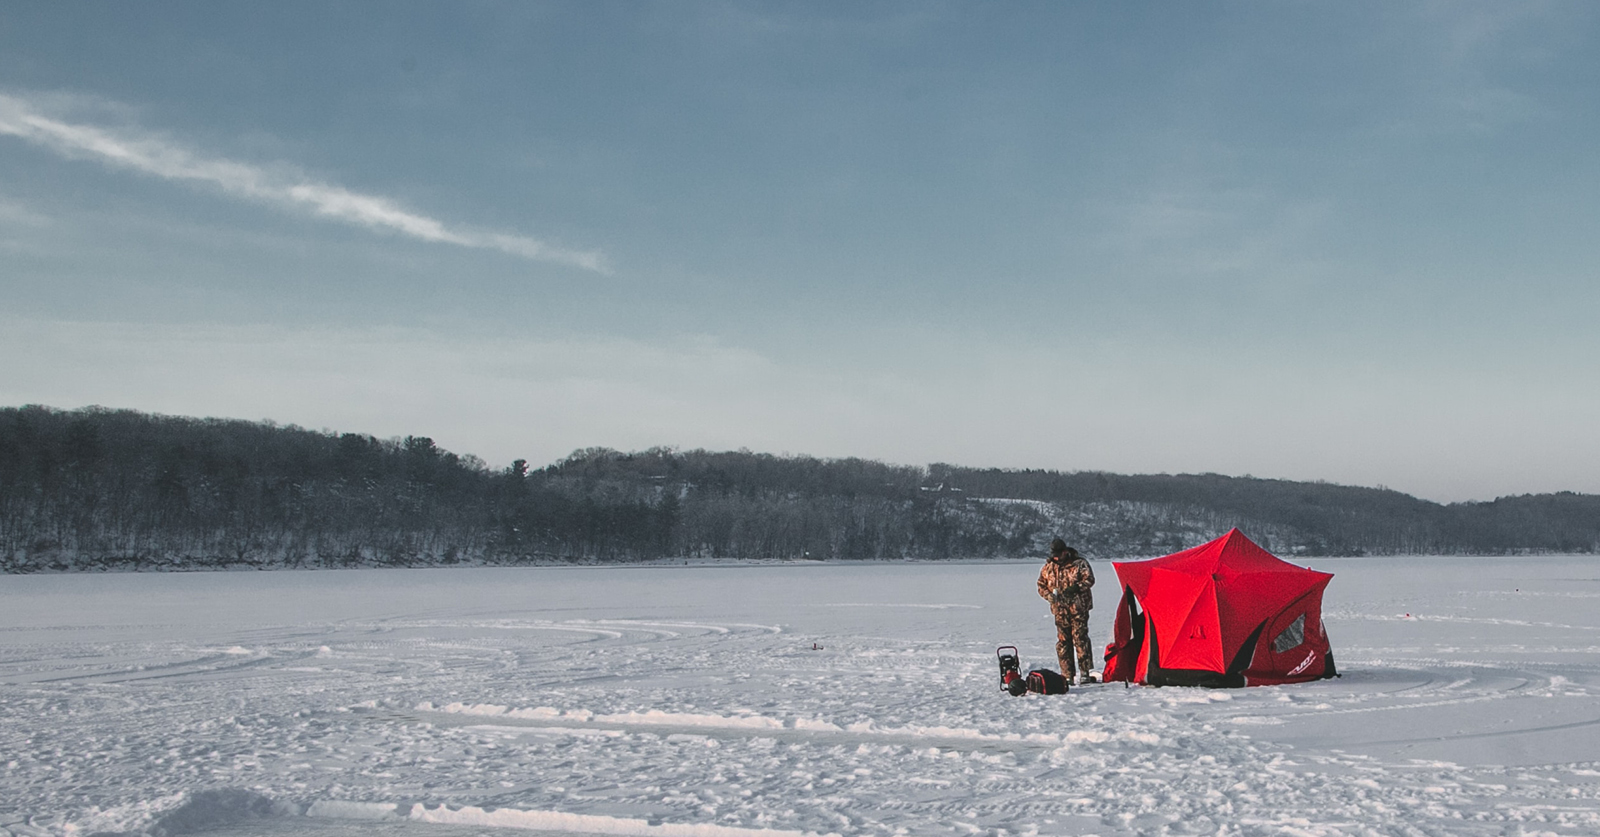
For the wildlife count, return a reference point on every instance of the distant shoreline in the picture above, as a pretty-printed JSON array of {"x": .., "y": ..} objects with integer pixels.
[
  {"x": 742, "y": 563},
  {"x": 107, "y": 490}
]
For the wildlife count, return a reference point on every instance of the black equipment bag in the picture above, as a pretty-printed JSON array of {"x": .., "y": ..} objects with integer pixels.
[{"x": 1043, "y": 681}]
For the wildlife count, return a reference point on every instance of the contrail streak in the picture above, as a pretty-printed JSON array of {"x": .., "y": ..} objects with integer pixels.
[{"x": 165, "y": 159}]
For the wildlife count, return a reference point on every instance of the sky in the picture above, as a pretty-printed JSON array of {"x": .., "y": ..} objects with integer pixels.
[{"x": 1352, "y": 242}]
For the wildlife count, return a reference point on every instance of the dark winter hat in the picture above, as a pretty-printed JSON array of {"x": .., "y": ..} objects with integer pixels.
[{"x": 1058, "y": 546}]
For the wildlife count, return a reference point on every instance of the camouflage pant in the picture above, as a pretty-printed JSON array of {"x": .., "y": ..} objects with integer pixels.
[{"x": 1072, "y": 634}]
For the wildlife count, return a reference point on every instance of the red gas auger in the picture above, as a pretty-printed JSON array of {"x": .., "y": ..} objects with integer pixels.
[{"x": 1011, "y": 679}]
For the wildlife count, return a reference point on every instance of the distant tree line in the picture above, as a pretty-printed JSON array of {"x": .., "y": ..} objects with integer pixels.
[{"x": 109, "y": 489}]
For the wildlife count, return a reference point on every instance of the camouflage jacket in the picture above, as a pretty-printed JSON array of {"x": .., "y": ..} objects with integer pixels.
[{"x": 1067, "y": 583}]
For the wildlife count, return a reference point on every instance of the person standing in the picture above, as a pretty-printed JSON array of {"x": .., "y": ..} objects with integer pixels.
[{"x": 1067, "y": 583}]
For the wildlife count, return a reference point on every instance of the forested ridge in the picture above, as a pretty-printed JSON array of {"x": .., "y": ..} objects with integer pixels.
[{"x": 116, "y": 489}]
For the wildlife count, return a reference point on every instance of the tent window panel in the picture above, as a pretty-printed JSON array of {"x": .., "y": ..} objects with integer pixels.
[{"x": 1292, "y": 636}]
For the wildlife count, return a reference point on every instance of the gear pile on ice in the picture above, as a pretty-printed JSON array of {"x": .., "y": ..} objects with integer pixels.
[{"x": 1039, "y": 681}]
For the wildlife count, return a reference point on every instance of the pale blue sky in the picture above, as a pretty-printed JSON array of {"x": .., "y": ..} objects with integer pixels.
[{"x": 1341, "y": 241}]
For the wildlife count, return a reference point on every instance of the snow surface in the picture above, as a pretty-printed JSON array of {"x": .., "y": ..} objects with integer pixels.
[{"x": 773, "y": 701}]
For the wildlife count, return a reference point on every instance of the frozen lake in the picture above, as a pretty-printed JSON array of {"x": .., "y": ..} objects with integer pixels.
[{"x": 759, "y": 700}]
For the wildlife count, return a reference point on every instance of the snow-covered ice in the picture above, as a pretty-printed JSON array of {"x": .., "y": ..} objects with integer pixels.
[{"x": 774, "y": 701}]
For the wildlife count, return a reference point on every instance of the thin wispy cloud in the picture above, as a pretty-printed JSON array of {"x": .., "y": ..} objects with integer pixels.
[{"x": 164, "y": 158}]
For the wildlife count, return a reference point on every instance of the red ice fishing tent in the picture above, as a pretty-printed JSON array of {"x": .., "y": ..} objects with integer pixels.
[{"x": 1225, "y": 613}]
